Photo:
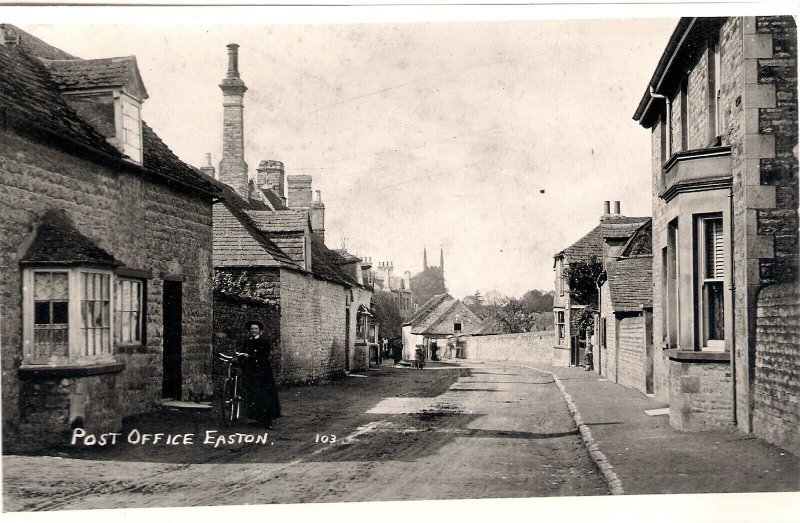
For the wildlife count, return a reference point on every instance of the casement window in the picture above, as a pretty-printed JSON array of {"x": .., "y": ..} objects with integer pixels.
[
  {"x": 131, "y": 129},
  {"x": 710, "y": 256},
  {"x": 129, "y": 311},
  {"x": 67, "y": 315},
  {"x": 560, "y": 324}
]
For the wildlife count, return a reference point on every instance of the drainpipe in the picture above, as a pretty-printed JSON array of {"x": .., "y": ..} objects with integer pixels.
[
  {"x": 599, "y": 322},
  {"x": 653, "y": 94},
  {"x": 732, "y": 288}
]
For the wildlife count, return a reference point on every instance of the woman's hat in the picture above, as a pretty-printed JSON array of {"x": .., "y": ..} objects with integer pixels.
[{"x": 248, "y": 323}]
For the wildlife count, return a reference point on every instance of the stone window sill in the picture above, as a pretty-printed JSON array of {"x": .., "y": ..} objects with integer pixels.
[
  {"x": 69, "y": 371},
  {"x": 698, "y": 356},
  {"x": 134, "y": 348}
]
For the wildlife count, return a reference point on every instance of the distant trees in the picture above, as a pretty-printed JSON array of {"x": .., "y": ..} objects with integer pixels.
[
  {"x": 387, "y": 314},
  {"x": 517, "y": 316},
  {"x": 538, "y": 301},
  {"x": 427, "y": 284}
]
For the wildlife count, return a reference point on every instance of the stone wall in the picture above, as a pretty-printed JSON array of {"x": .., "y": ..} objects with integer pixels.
[
  {"x": 700, "y": 396},
  {"x": 776, "y": 415},
  {"x": 312, "y": 328},
  {"x": 533, "y": 347},
  {"x": 631, "y": 371},
  {"x": 145, "y": 225}
]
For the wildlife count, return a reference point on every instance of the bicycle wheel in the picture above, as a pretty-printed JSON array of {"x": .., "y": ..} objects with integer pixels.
[{"x": 229, "y": 404}]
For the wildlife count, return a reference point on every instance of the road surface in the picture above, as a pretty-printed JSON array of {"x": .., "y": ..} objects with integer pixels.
[{"x": 482, "y": 430}]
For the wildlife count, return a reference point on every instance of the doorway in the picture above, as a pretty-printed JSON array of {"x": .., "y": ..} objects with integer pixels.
[
  {"x": 173, "y": 325},
  {"x": 347, "y": 339}
]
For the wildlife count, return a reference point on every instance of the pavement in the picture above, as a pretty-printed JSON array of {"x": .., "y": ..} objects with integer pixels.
[{"x": 650, "y": 457}]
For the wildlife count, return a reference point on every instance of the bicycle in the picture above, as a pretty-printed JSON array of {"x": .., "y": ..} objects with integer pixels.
[{"x": 231, "y": 399}]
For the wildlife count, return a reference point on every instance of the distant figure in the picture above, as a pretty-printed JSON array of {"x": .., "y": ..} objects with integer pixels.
[
  {"x": 434, "y": 349},
  {"x": 261, "y": 391},
  {"x": 397, "y": 349}
]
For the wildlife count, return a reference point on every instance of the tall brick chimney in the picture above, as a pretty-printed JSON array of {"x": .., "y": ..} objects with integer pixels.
[
  {"x": 616, "y": 207},
  {"x": 232, "y": 167},
  {"x": 318, "y": 216},
  {"x": 606, "y": 207},
  {"x": 270, "y": 176},
  {"x": 299, "y": 191}
]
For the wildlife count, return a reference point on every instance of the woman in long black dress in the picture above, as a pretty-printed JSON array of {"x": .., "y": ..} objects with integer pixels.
[{"x": 260, "y": 388}]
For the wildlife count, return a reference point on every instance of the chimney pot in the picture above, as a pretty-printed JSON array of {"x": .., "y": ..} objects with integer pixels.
[
  {"x": 607, "y": 207},
  {"x": 616, "y": 207},
  {"x": 233, "y": 60}
]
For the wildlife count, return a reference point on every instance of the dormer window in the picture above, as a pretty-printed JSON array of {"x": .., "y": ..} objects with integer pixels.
[{"x": 131, "y": 133}]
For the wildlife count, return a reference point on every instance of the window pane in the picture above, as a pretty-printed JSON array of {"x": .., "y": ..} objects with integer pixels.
[
  {"x": 136, "y": 336},
  {"x": 106, "y": 279},
  {"x": 42, "y": 285},
  {"x": 126, "y": 296},
  {"x": 41, "y": 315},
  {"x": 716, "y": 321},
  {"x": 126, "y": 327},
  {"x": 98, "y": 314},
  {"x": 60, "y": 312},
  {"x": 60, "y": 286},
  {"x": 714, "y": 249},
  {"x": 137, "y": 297},
  {"x": 106, "y": 346}
]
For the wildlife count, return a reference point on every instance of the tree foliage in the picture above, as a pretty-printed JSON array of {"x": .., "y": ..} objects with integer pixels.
[
  {"x": 515, "y": 316},
  {"x": 582, "y": 279},
  {"x": 427, "y": 284},
  {"x": 538, "y": 301},
  {"x": 387, "y": 314}
]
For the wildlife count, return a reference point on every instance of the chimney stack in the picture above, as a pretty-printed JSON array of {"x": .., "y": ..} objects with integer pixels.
[
  {"x": 607, "y": 207},
  {"x": 616, "y": 207},
  {"x": 270, "y": 176},
  {"x": 232, "y": 167},
  {"x": 299, "y": 186},
  {"x": 318, "y": 216},
  {"x": 208, "y": 169}
]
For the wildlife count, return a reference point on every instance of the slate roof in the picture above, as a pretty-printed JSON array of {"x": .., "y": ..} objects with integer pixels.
[
  {"x": 434, "y": 316},
  {"x": 238, "y": 241},
  {"x": 294, "y": 220},
  {"x": 97, "y": 73},
  {"x": 591, "y": 244},
  {"x": 31, "y": 102},
  {"x": 630, "y": 281},
  {"x": 443, "y": 325},
  {"x": 426, "y": 309},
  {"x": 641, "y": 242},
  {"x": 325, "y": 262},
  {"x": 58, "y": 241},
  {"x": 274, "y": 200},
  {"x": 490, "y": 325}
]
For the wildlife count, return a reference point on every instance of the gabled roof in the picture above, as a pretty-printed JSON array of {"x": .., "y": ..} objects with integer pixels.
[
  {"x": 99, "y": 73},
  {"x": 641, "y": 242},
  {"x": 58, "y": 241},
  {"x": 442, "y": 324},
  {"x": 426, "y": 308},
  {"x": 630, "y": 282},
  {"x": 274, "y": 200},
  {"x": 287, "y": 221},
  {"x": 591, "y": 244},
  {"x": 32, "y": 103},
  {"x": 238, "y": 241},
  {"x": 433, "y": 316}
]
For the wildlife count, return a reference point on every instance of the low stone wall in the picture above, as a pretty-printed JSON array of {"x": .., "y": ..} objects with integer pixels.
[
  {"x": 700, "y": 395},
  {"x": 533, "y": 347},
  {"x": 776, "y": 410}
]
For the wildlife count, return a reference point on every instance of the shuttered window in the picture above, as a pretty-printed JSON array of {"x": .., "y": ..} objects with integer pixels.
[{"x": 711, "y": 243}]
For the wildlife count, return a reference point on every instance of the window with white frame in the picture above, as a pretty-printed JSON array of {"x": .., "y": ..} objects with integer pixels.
[
  {"x": 710, "y": 285},
  {"x": 560, "y": 324},
  {"x": 131, "y": 130},
  {"x": 67, "y": 315},
  {"x": 129, "y": 313}
]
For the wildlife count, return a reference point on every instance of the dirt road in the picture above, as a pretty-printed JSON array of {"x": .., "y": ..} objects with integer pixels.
[{"x": 445, "y": 432}]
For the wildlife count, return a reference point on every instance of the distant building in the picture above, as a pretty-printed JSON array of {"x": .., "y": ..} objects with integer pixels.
[
  {"x": 436, "y": 323},
  {"x": 721, "y": 107},
  {"x": 606, "y": 240},
  {"x": 400, "y": 288},
  {"x": 430, "y": 282},
  {"x": 105, "y": 249}
]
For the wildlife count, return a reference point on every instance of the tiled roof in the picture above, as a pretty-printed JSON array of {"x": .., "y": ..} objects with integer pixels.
[
  {"x": 641, "y": 242},
  {"x": 58, "y": 241},
  {"x": 294, "y": 220},
  {"x": 444, "y": 324},
  {"x": 630, "y": 281},
  {"x": 325, "y": 262},
  {"x": 31, "y": 102},
  {"x": 433, "y": 316},
  {"x": 347, "y": 257},
  {"x": 274, "y": 200},
  {"x": 98, "y": 73},
  {"x": 491, "y": 325},
  {"x": 426, "y": 308},
  {"x": 591, "y": 244},
  {"x": 238, "y": 241}
]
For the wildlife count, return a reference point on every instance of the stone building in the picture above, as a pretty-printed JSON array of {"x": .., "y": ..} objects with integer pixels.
[
  {"x": 623, "y": 350},
  {"x": 604, "y": 241},
  {"x": 271, "y": 262},
  {"x": 385, "y": 280},
  {"x": 721, "y": 107},
  {"x": 105, "y": 249},
  {"x": 437, "y": 321}
]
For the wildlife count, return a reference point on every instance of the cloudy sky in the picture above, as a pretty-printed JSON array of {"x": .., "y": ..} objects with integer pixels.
[{"x": 497, "y": 141}]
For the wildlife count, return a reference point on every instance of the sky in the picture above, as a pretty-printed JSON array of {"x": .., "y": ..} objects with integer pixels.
[{"x": 495, "y": 141}]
